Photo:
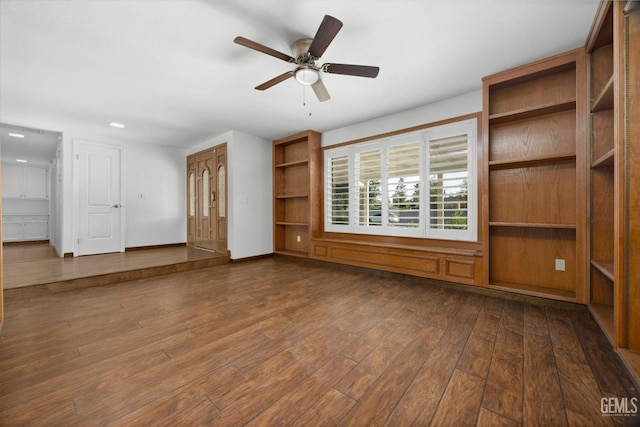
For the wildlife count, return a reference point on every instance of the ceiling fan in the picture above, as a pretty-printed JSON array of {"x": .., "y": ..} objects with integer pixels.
[{"x": 306, "y": 53}]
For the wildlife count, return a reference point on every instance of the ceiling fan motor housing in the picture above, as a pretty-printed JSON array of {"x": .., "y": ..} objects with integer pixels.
[
  {"x": 307, "y": 71},
  {"x": 300, "y": 48}
]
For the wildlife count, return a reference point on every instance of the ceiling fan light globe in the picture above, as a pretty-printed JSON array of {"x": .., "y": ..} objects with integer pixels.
[{"x": 307, "y": 76}]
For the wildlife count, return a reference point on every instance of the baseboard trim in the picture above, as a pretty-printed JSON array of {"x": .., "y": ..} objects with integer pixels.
[
  {"x": 250, "y": 258},
  {"x": 418, "y": 280},
  {"x": 166, "y": 245},
  {"x": 25, "y": 242}
]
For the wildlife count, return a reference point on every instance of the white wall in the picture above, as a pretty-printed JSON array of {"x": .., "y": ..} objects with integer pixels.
[
  {"x": 57, "y": 200},
  {"x": 467, "y": 103},
  {"x": 251, "y": 215},
  {"x": 158, "y": 173},
  {"x": 210, "y": 143},
  {"x": 67, "y": 197},
  {"x": 155, "y": 195},
  {"x": 155, "y": 171},
  {"x": 250, "y": 206}
]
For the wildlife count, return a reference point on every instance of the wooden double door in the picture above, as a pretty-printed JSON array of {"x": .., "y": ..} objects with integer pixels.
[{"x": 207, "y": 199}]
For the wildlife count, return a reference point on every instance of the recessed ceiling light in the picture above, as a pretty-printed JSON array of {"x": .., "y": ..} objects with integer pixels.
[
  {"x": 21, "y": 161},
  {"x": 116, "y": 125},
  {"x": 16, "y": 135}
]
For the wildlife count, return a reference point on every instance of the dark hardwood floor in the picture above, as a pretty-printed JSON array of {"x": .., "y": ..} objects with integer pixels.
[{"x": 280, "y": 341}]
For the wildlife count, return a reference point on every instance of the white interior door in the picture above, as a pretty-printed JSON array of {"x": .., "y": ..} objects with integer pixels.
[{"x": 100, "y": 199}]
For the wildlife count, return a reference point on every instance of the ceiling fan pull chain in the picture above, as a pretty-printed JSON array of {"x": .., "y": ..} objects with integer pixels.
[{"x": 304, "y": 98}]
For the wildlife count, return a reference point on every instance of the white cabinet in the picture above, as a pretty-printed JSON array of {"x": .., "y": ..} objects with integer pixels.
[
  {"x": 25, "y": 194},
  {"x": 23, "y": 182},
  {"x": 35, "y": 183},
  {"x": 18, "y": 228},
  {"x": 11, "y": 230},
  {"x": 12, "y": 182}
]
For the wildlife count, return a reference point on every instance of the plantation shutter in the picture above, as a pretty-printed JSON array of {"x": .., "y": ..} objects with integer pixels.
[
  {"x": 403, "y": 188},
  {"x": 338, "y": 190},
  {"x": 368, "y": 174},
  {"x": 449, "y": 182}
]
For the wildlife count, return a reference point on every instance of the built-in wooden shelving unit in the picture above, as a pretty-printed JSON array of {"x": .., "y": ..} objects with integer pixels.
[
  {"x": 602, "y": 78},
  {"x": 613, "y": 49},
  {"x": 296, "y": 209},
  {"x": 535, "y": 166}
]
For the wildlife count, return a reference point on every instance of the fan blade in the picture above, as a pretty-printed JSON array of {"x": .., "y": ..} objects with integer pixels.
[
  {"x": 262, "y": 48},
  {"x": 325, "y": 34},
  {"x": 351, "y": 70},
  {"x": 321, "y": 91},
  {"x": 274, "y": 81}
]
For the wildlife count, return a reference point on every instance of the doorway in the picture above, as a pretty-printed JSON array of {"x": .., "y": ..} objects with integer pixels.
[
  {"x": 30, "y": 185},
  {"x": 207, "y": 199}
]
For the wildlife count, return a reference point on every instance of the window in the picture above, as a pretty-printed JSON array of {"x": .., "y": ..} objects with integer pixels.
[
  {"x": 222, "y": 192},
  {"x": 205, "y": 193},
  {"x": 192, "y": 194},
  {"x": 375, "y": 187}
]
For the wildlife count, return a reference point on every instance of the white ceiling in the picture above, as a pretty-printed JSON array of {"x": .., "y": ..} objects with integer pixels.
[
  {"x": 170, "y": 71},
  {"x": 36, "y": 146}
]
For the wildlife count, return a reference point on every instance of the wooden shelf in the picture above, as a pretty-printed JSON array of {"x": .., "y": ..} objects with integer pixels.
[
  {"x": 539, "y": 110},
  {"x": 294, "y": 224},
  {"x": 602, "y": 46},
  {"x": 292, "y": 164},
  {"x": 532, "y": 161},
  {"x": 535, "y": 161},
  {"x": 604, "y": 267},
  {"x": 604, "y": 100},
  {"x": 606, "y": 160},
  {"x": 613, "y": 256},
  {"x": 601, "y": 33},
  {"x": 531, "y": 225},
  {"x": 535, "y": 72},
  {"x": 603, "y": 313},
  {"x": 538, "y": 291},
  {"x": 292, "y": 196},
  {"x": 296, "y": 180}
]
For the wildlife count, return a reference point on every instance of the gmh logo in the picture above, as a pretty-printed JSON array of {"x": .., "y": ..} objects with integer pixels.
[{"x": 619, "y": 406}]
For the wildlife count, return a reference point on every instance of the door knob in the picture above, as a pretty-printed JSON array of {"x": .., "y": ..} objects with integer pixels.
[{"x": 115, "y": 206}]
